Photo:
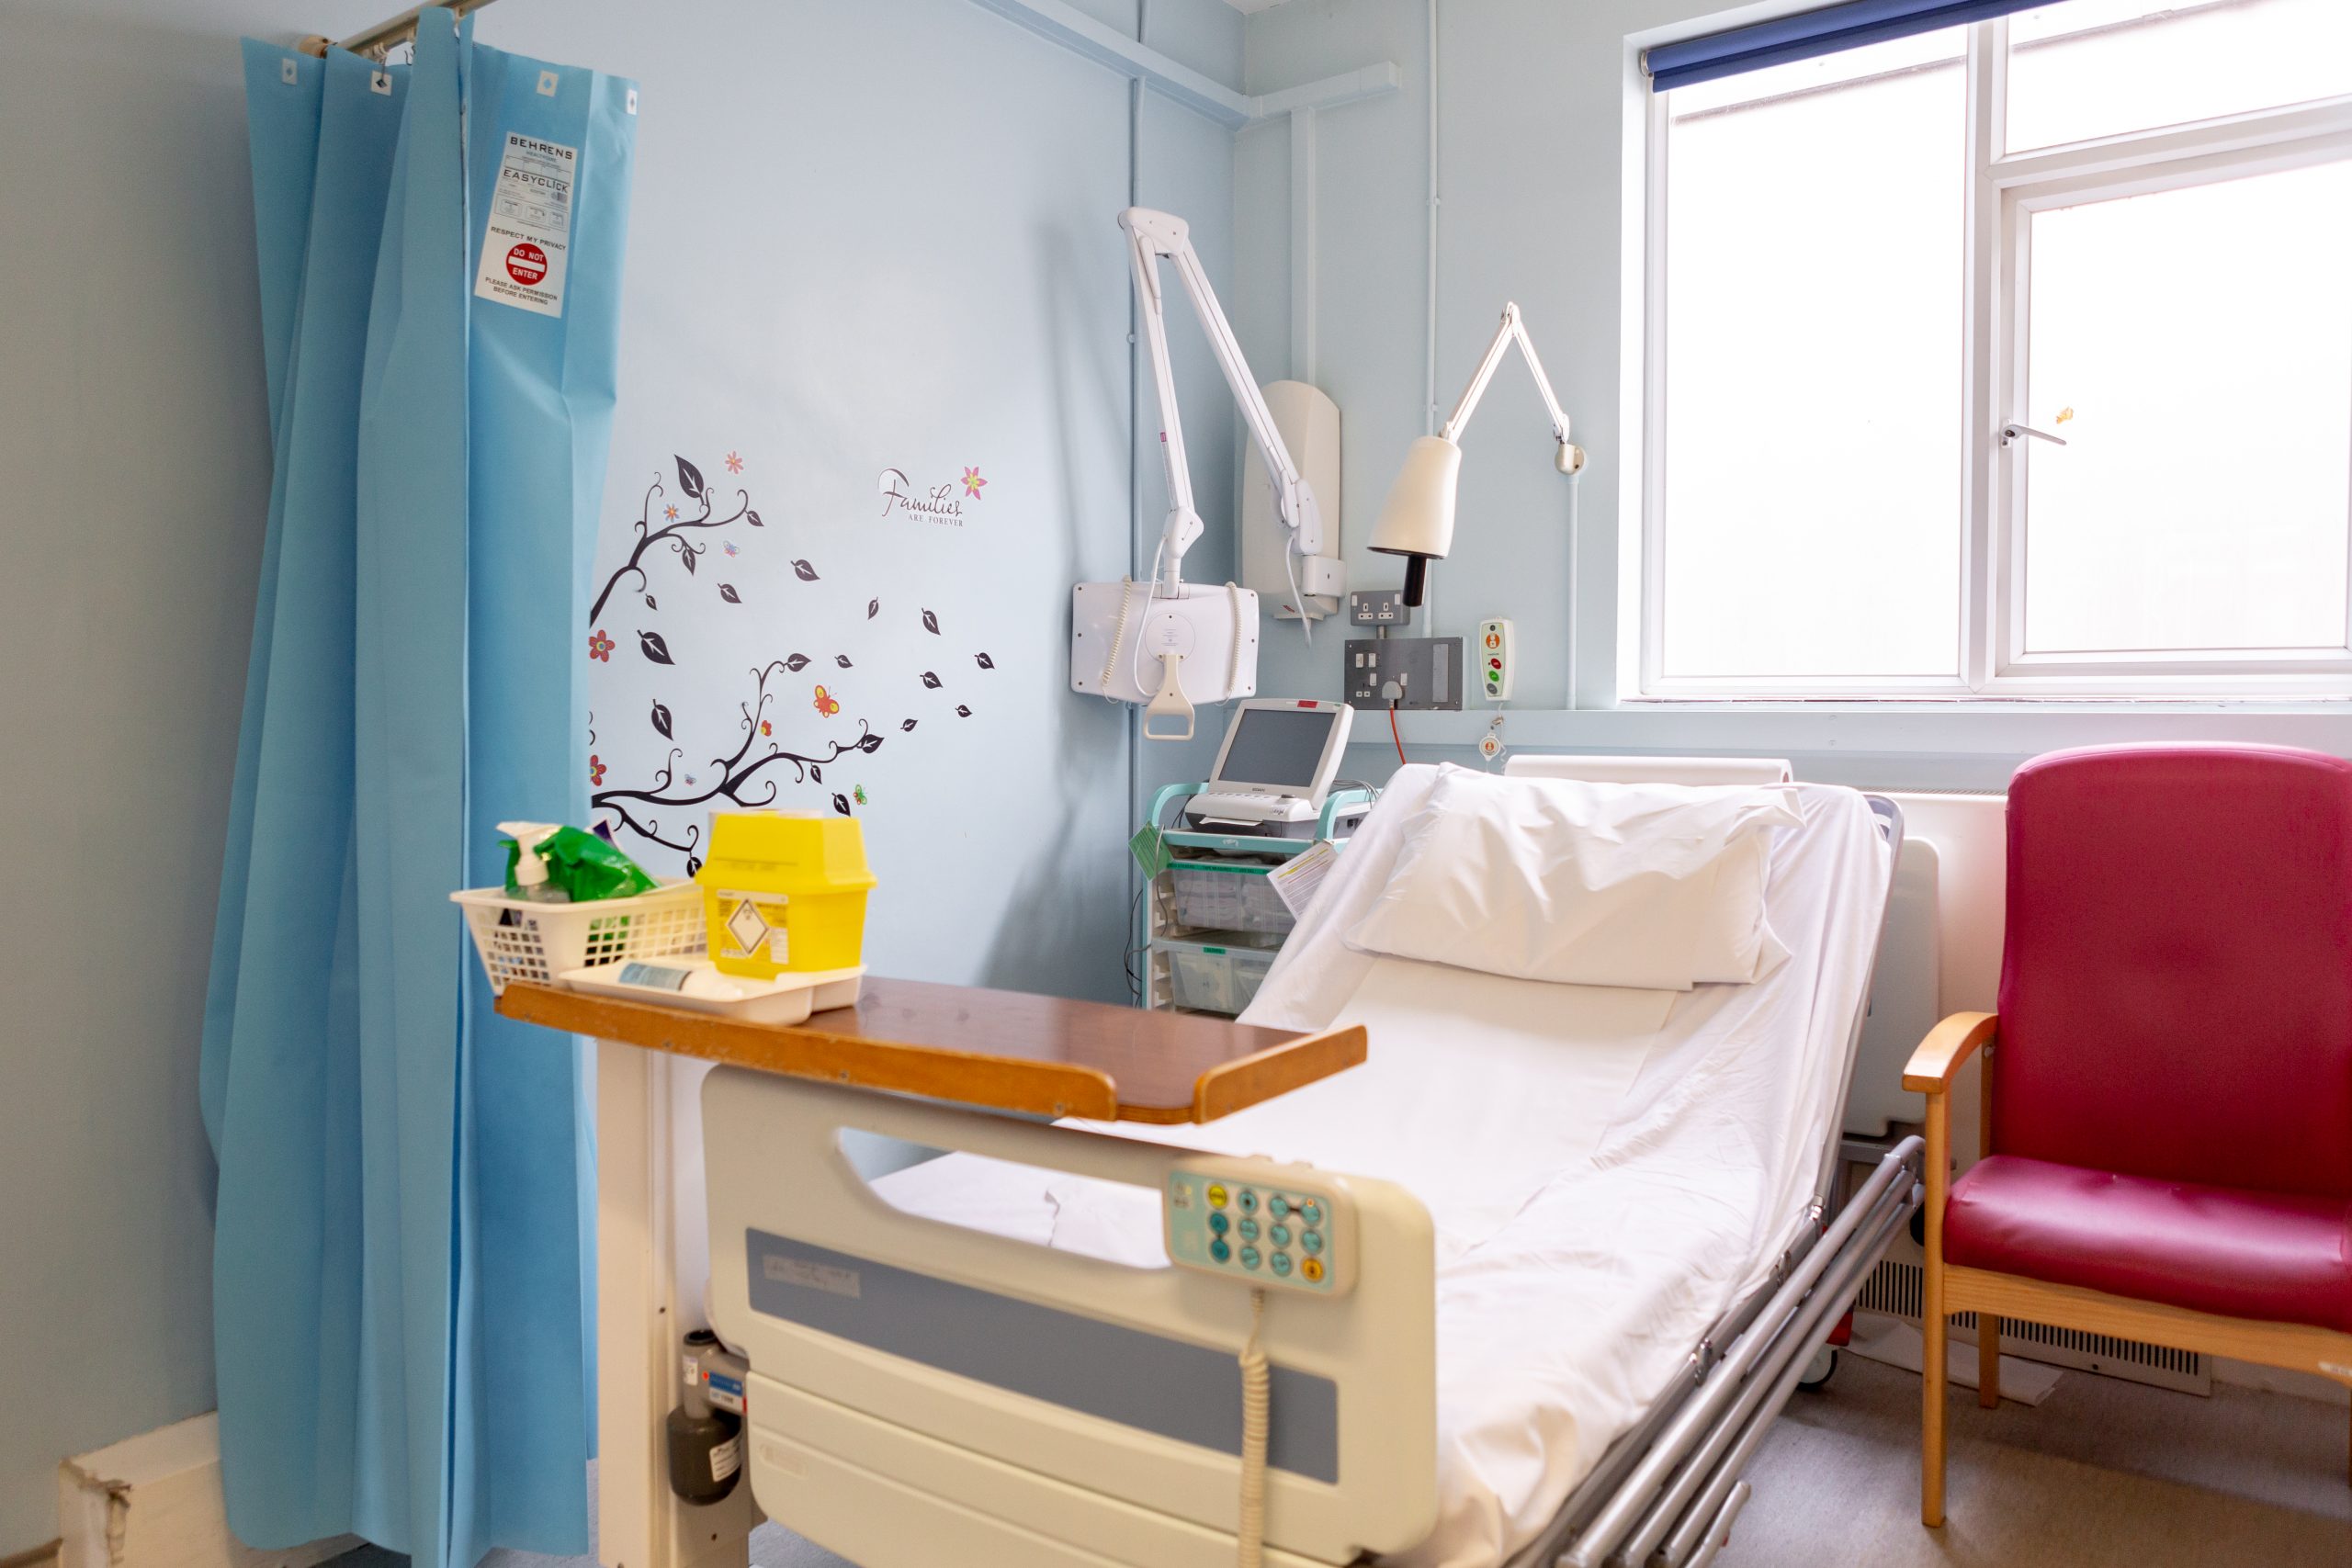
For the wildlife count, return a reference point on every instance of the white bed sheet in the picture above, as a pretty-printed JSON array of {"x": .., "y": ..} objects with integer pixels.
[{"x": 1635, "y": 1178}]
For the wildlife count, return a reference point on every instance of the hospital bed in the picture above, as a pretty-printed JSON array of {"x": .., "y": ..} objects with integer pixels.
[{"x": 1588, "y": 1230}]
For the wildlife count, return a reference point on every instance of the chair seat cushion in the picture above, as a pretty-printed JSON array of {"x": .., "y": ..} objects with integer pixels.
[{"x": 2272, "y": 1257}]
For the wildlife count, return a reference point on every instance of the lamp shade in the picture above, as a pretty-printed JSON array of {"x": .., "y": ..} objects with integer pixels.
[{"x": 1417, "y": 519}]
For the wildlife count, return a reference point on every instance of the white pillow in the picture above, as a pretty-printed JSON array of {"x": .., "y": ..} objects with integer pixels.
[{"x": 1659, "y": 886}]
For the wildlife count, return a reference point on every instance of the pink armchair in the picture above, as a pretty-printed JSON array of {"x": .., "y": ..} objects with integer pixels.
[{"x": 2168, "y": 1088}]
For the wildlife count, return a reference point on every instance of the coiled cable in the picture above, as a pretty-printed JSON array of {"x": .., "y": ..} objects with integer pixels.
[{"x": 1257, "y": 1400}]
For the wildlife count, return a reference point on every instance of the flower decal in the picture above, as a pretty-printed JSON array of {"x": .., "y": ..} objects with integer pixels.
[
  {"x": 600, "y": 646},
  {"x": 827, "y": 703},
  {"x": 859, "y": 794},
  {"x": 972, "y": 482},
  {"x": 732, "y": 548},
  {"x": 595, "y": 769},
  {"x": 734, "y": 463},
  {"x": 669, "y": 512},
  {"x": 766, "y": 727}
]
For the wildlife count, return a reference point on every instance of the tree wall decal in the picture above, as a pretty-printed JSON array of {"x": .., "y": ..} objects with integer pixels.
[{"x": 751, "y": 775}]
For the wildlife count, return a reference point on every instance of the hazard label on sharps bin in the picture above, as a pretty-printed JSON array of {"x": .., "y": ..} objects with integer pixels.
[{"x": 529, "y": 225}]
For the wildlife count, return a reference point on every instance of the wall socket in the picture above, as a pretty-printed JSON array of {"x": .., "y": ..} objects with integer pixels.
[
  {"x": 1378, "y": 607},
  {"x": 1406, "y": 673}
]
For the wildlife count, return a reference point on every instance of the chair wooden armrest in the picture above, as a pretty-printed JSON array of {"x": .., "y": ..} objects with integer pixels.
[{"x": 1949, "y": 1043}]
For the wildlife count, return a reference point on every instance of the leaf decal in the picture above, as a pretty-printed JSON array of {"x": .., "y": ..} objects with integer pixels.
[
  {"x": 753, "y": 519},
  {"x": 694, "y": 863},
  {"x": 650, "y": 604},
  {"x": 842, "y": 659},
  {"x": 872, "y": 608},
  {"x": 841, "y": 803},
  {"x": 653, "y": 648},
  {"x": 931, "y": 680},
  {"x": 906, "y": 724},
  {"x": 661, "y": 721},
  {"x": 688, "y": 557},
  {"x": 869, "y": 743},
  {"x": 931, "y": 622},
  {"x": 690, "y": 478},
  {"x": 816, "y": 772},
  {"x": 963, "y": 712},
  {"x": 984, "y": 661},
  {"x": 726, "y": 591},
  {"x": 796, "y": 664},
  {"x": 804, "y": 572}
]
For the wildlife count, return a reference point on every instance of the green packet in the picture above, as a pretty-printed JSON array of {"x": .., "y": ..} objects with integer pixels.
[{"x": 568, "y": 863}]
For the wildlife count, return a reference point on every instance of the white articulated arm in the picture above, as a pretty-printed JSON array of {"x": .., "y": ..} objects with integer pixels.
[
  {"x": 1513, "y": 329},
  {"x": 1152, "y": 235}
]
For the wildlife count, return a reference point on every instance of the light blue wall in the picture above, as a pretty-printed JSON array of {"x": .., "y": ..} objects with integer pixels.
[
  {"x": 865, "y": 233},
  {"x": 1535, "y": 148},
  {"x": 134, "y": 433}
]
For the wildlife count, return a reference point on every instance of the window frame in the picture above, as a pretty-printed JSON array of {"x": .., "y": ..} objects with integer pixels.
[{"x": 2002, "y": 191}]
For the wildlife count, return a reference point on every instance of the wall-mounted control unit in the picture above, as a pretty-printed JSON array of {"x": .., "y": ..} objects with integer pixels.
[
  {"x": 1404, "y": 672},
  {"x": 1495, "y": 654}
]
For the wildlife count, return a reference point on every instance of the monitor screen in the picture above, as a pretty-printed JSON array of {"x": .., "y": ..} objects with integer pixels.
[{"x": 1280, "y": 747}]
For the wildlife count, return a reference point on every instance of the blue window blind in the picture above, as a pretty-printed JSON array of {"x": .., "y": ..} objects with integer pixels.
[{"x": 1809, "y": 34}]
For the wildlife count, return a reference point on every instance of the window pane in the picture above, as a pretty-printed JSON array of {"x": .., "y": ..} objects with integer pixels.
[
  {"x": 2087, "y": 68},
  {"x": 1812, "y": 363},
  {"x": 2195, "y": 349}
]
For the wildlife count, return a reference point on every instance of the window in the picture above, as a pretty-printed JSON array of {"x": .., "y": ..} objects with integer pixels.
[{"x": 2121, "y": 226}]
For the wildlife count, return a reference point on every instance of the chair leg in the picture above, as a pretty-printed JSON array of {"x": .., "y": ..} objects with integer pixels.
[
  {"x": 1988, "y": 1361},
  {"x": 1931, "y": 1421}
]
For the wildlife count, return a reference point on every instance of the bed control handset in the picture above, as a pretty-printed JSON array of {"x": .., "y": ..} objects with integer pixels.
[{"x": 1287, "y": 1227}]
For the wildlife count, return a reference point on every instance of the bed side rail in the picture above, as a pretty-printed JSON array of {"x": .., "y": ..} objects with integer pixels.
[
  {"x": 1681, "y": 1488},
  {"x": 1094, "y": 1376}
]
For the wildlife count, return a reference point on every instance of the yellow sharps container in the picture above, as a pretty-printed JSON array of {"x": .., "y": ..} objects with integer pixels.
[{"x": 784, "y": 892}]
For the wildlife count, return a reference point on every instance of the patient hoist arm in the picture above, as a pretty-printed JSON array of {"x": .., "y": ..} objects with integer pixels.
[{"x": 1152, "y": 235}]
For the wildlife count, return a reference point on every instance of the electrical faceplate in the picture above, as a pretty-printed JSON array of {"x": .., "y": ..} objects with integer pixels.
[
  {"x": 1405, "y": 672},
  {"x": 1282, "y": 1226}
]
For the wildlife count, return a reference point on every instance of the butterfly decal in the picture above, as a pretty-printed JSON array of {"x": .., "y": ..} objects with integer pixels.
[{"x": 827, "y": 703}]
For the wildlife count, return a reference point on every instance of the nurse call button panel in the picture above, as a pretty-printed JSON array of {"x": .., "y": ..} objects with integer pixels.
[{"x": 1285, "y": 1227}]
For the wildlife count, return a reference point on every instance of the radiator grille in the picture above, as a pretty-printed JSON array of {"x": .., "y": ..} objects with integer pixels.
[{"x": 1896, "y": 1286}]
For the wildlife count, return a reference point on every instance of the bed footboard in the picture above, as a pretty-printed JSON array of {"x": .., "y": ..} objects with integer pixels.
[{"x": 924, "y": 1393}]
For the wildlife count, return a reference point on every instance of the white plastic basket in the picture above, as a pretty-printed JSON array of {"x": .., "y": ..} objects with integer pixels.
[
  {"x": 1218, "y": 978},
  {"x": 1211, "y": 896},
  {"x": 520, "y": 939}
]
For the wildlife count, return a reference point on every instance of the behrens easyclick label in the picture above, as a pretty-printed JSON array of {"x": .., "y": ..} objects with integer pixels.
[{"x": 529, "y": 228}]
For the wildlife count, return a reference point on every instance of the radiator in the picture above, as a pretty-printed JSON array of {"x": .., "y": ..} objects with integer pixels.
[{"x": 1895, "y": 1286}]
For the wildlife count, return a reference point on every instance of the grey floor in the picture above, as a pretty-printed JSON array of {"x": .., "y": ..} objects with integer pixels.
[{"x": 2102, "y": 1473}]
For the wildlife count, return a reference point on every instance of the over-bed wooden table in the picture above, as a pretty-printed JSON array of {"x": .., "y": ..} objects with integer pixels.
[{"x": 1002, "y": 1050}]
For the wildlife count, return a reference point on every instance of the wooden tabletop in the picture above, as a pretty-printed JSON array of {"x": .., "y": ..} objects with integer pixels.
[{"x": 1008, "y": 1050}]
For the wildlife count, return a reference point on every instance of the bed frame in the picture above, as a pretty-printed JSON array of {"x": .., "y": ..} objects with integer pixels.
[{"x": 894, "y": 1356}]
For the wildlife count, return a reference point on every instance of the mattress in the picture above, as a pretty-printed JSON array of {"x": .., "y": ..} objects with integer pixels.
[{"x": 1609, "y": 1171}]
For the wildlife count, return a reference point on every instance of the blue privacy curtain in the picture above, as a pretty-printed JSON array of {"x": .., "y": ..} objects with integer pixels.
[{"x": 404, "y": 1267}]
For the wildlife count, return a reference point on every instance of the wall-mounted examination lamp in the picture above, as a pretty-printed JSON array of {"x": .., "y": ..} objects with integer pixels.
[{"x": 1418, "y": 521}]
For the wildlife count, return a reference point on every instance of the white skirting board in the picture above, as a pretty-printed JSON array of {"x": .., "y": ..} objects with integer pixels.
[{"x": 155, "y": 1501}]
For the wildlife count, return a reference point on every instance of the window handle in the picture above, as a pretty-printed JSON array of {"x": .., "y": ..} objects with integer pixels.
[{"x": 2010, "y": 431}]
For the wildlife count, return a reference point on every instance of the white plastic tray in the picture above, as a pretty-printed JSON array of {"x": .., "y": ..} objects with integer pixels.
[{"x": 786, "y": 999}]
